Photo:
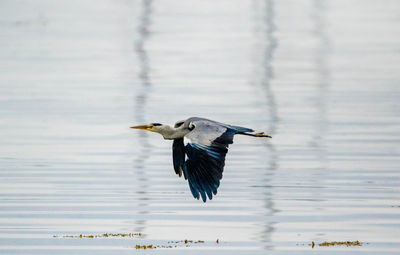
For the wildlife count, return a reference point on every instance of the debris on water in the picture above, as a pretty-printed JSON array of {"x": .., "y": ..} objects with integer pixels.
[
  {"x": 334, "y": 243},
  {"x": 150, "y": 246},
  {"x": 347, "y": 243},
  {"x": 183, "y": 243},
  {"x": 186, "y": 241},
  {"x": 217, "y": 241},
  {"x": 105, "y": 235}
]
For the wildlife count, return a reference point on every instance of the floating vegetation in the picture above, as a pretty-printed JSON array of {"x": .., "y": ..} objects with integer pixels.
[
  {"x": 171, "y": 244},
  {"x": 347, "y": 243},
  {"x": 150, "y": 246},
  {"x": 186, "y": 241},
  {"x": 105, "y": 235}
]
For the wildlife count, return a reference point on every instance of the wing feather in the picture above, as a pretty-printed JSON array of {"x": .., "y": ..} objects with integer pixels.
[
  {"x": 206, "y": 151},
  {"x": 178, "y": 156},
  {"x": 202, "y": 159}
]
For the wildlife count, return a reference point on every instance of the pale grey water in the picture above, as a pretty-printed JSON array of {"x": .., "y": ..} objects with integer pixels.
[{"x": 321, "y": 76}]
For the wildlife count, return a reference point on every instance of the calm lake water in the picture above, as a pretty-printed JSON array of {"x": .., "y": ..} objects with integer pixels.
[{"x": 322, "y": 77}]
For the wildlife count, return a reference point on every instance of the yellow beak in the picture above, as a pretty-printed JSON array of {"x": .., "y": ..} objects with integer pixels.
[{"x": 145, "y": 127}]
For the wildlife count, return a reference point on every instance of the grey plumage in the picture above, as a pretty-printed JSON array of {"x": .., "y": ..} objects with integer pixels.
[{"x": 199, "y": 149}]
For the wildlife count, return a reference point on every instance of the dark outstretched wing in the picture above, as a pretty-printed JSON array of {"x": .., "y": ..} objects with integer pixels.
[
  {"x": 178, "y": 156},
  {"x": 202, "y": 160},
  {"x": 204, "y": 165},
  {"x": 178, "y": 153},
  {"x": 206, "y": 149}
]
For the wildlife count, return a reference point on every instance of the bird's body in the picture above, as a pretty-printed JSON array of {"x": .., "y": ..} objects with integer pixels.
[{"x": 199, "y": 149}]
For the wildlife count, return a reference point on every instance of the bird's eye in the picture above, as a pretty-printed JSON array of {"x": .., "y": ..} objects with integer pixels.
[{"x": 191, "y": 126}]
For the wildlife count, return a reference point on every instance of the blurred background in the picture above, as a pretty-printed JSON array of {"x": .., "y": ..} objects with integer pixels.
[{"x": 322, "y": 77}]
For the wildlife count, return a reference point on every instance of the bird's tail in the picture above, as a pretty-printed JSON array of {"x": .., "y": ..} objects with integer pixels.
[
  {"x": 238, "y": 129},
  {"x": 246, "y": 131}
]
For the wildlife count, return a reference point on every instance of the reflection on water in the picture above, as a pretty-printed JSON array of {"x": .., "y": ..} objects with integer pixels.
[
  {"x": 317, "y": 75},
  {"x": 140, "y": 111},
  {"x": 322, "y": 78},
  {"x": 265, "y": 29}
]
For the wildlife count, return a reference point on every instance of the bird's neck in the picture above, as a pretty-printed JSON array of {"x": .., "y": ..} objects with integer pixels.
[{"x": 170, "y": 133}]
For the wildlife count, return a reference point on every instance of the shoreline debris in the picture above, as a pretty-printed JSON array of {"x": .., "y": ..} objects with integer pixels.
[
  {"x": 347, "y": 243},
  {"x": 105, "y": 235}
]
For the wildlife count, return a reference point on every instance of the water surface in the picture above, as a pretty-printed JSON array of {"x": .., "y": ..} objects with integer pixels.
[{"x": 320, "y": 76}]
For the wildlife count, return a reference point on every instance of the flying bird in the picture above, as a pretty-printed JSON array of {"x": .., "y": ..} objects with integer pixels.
[{"x": 199, "y": 149}]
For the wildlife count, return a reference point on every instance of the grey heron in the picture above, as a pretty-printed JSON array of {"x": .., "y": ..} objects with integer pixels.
[{"x": 199, "y": 149}]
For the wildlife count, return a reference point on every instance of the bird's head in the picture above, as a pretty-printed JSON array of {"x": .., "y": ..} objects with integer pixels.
[
  {"x": 179, "y": 131},
  {"x": 153, "y": 127}
]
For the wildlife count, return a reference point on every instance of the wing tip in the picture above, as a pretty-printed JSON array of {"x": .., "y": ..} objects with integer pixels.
[{"x": 202, "y": 193}]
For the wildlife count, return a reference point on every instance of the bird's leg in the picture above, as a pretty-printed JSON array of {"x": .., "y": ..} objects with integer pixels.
[{"x": 261, "y": 134}]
